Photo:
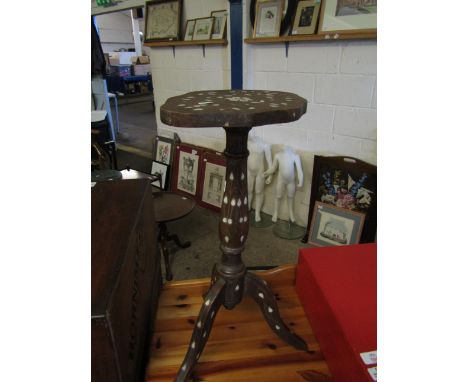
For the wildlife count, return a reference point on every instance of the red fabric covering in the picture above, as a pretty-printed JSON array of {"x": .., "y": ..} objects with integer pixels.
[{"x": 338, "y": 290}]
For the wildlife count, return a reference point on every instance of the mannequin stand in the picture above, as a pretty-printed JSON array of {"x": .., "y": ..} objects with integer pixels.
[
  {"x": 288, "y": 230},
  {"x": 230, "y": 280},
  {"x": 264, "y": 223}
]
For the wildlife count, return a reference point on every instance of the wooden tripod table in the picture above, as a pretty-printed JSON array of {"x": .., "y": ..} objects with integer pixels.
[{"x": 237, "y": 111}]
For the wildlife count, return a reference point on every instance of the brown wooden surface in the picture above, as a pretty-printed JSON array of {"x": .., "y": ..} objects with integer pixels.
[
  {"x": 125, "y": 279},
  {"x": 241, "y": 346},
  {"x": 313, "y": 37},
  {"x": 169, "y": 206},
  {"x": 186, "y": 43},
  {"x": 232, "y": 108}
]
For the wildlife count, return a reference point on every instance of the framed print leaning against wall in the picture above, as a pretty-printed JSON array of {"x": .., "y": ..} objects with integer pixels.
[
  {"x": 186, "y": 173},
  {"x": 348, "y": 16},
  {"x": 212, "y": 179},
  {"x": 305, "y": 20},
  {"x": 203, "y": 28},
  {"x": 162, "y": 20},
  {"x": 331, "y": 226}
]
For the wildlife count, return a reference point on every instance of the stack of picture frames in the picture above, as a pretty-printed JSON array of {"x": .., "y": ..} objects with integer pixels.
[
  {"x": 192, "y": 171},
  {"x": 343, "y": 202}
]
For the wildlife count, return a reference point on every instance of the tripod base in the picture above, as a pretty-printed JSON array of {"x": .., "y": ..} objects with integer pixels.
[{"x": 249, "y": 285}]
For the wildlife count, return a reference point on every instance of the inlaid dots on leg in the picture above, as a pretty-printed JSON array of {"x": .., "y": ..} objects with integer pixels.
[
  {"x": 212, "y": 314},
  {"x": 204, "y": 335},
  {"x": 239, "y": 203},
  {"x": 270, "y": 310},
  {"x": 233, "y": 202},
  {"x": 184, "y": 367},
  {"x": 226, "y": 239},
  {"x": 225, "y": 200},
  {"x": 242, "y": 239},
  {"x": 225, "y": 220},
  {"x": 237, "y": 288},
  {"x": 245, "y": 200},
  {"x": 277, "y": 327},
  {"x": 261, "y": 295},
  {"x": 242, "y": 176},
  {"x": 241, "y": 220},
  {"x": 207, "y": 302},
  {"x": 229, "y": 221},
  {"x": 245, "y": 219},
  {"x": 193, "y": 345},
  {"x": 199, "y": 324},
  {"x": 231, "y": 176}
]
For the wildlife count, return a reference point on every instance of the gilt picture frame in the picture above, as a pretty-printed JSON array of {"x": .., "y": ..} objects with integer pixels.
[
  {"x": 203, "y": 28},
  {"x": 268, "y": 18},
  {"x": 306, "y": 17}
]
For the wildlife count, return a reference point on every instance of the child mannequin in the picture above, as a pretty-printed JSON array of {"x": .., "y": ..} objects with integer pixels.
[
  {"x": 259, "y": 150},
  {"x": 286, "y": 160}
]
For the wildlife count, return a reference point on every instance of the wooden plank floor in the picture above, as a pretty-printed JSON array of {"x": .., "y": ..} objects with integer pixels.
[{"x": 241, "y": 347}]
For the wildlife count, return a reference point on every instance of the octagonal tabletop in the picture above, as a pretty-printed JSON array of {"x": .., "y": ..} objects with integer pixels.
[{"x": 232, "y": 108}]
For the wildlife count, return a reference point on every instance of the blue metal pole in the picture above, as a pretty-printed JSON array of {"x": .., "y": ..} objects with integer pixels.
[{"x": 236, "y": 44}]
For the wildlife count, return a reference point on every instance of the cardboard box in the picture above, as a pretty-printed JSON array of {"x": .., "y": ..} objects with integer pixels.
[
  {"x": 121, "y": 58},
  {"x": 337, "y": 287},
  {"x": 141, "y": 70},
  {"x": 140, "y": 60}
]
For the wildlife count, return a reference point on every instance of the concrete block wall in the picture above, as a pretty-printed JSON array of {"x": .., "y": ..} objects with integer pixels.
[{"x": 338, "y": 79}]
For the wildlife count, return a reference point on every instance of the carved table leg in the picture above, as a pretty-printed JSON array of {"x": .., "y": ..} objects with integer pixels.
[
  {"x": 213, "y": 300},
  {"x": 259, "y": 290},
  {"x": 165, "y": 251}
]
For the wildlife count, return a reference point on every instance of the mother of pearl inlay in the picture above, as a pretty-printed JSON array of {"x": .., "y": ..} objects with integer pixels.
[
  {"x": 225, "y": 200},
  {"x": 233, "y": 202}
]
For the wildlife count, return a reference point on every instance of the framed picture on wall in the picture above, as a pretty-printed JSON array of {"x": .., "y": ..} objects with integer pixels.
[
  {"x": 163, "y": 170},
  {"x": 186, "y": 169},
  {"x": 306, "y": 18},
  {"x": 268, "y": 18},
  {"x": 219, "y": 26},
  {"x": 189, "y": 28},
  {"x": 213, "y": 176},
  {"x": 162, "y": 20},
  {"x": 331, "y": 226},
  {"x": 347, "y": 183},
  {"x": 348, "y": 16},
  {"x": 203, "y": 28}
]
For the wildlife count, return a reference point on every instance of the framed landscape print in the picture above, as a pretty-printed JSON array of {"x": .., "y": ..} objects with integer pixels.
[
  {"x": 162, "y": 20},
  {"x": 163, "y": 170},
  {"x": 305, "y": 21},
  {"x": 348, "y": 16},
  {"x": 219, "y": 26},
  {"x": 189, "y": 28},
  {"x": 213, "y": 175},
  {"x": 268, "y": 18},
  {"x": 203, "y": 28},
  {"x": 347, "y": 183},
  {"x": 186, "y": 169},
  {"x": 331, "y": 226}
]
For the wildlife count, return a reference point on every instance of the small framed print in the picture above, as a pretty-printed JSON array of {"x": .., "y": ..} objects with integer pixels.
[
  {"x": 219, "y": 26},
  {"x": 203, "y": 28},
  {"x": 305, "y": 21},
  {"x": 163, "y": 150},
  {"x": 213, "y": 176},
  {"x": 189, "y": 28},
  {"x": 186, "y": 169},
  {"x": 332, "y": 226},
  {"x": 268, "y": 18},
  {"x": 163, "y": 170},
  {"x": 348, "y": 16},
  {"x": 162, "y": 22}
]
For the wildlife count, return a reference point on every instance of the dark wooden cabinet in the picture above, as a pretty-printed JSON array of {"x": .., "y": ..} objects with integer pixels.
[{"x": 125, "y": 279}]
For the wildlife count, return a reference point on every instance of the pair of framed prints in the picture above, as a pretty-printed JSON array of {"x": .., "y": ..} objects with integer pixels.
[
  {"x": 273, "y": 18},
  {"x": 343, "y": 202},
  {"x": 199, "y": 173},
  {"x": 207, "y": 28},
  {"x": 163, "y": 156}
]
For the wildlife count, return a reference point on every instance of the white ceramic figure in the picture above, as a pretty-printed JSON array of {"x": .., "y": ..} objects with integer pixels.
[
  {"x": 259, "y": 151},
  {"x": 286, "y": 160}
]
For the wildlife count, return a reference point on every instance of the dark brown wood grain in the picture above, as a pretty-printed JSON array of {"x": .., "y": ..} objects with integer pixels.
[
  {"x": 169, "y": 206},
  {"x": 232, "y": 108},
  {"x": 125, "y": 278}
]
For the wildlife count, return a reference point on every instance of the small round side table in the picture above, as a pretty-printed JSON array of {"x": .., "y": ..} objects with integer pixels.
[
  {"x": 237, "y": 111},
  {"x": 169, "y": 206}
]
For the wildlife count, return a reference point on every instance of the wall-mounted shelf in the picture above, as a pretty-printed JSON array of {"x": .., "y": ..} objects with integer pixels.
[
  {"x": 314, "y": 37},
  {"x": 202, "y": 43},
  {"x": 157, "y": 44}
]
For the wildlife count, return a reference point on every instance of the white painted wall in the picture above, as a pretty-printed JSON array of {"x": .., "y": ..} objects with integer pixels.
[
  {"x": 115, "y": 31},
  {"x": 337, "y": 78}
]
